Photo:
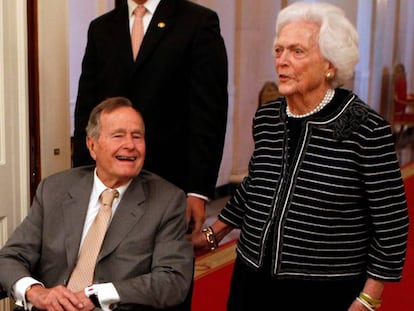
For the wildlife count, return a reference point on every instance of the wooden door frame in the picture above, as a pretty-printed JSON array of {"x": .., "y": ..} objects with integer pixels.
[{"x": 33, "y": 93}]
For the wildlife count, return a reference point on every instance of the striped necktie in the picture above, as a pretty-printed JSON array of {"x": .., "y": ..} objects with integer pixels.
[
  {"x": 82, "y": 275},
  {"x": 137, "y": 32}
]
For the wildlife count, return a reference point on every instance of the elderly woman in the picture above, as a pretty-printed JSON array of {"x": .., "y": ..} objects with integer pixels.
[{"x": 322, "y": 212}]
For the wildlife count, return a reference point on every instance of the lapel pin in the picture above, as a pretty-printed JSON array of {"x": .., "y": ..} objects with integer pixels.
[{"x": 161, "y": 25}]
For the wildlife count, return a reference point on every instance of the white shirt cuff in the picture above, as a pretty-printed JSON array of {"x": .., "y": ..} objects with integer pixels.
[
  {"x": 200, "y": 196},
  {"x": 19, "y": 291},
  {"x": 107, "y": 294}
]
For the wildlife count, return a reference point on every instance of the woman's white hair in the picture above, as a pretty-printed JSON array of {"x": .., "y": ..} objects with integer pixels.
[{"x": 338, "y": 38}]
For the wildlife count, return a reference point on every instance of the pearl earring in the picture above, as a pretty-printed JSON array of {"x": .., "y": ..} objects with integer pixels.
[{"x": 328, "y": 75}]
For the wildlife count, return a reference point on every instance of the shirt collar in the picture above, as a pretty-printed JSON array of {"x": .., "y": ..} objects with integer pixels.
[
  {"x": 150, "y": 5},
  {"x": 98, "y": 186}
]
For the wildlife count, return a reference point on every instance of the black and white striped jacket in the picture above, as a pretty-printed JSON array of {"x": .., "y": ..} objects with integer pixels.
[{"x": 339, "y": 209}]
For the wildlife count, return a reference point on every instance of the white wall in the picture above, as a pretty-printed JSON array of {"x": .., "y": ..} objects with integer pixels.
[
  {"x": 80, "y": 14},
  {"x": 53, "y": 86},
  {"x": 226, "y": 11},
  {"x": 14, "y": 125}
]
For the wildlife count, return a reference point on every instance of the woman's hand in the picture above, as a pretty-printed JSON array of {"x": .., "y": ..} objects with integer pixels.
[
  {"x": 200, "y": 244},
  {"x": 208, "y": 239}
]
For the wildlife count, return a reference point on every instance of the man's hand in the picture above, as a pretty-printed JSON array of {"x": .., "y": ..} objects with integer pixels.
[
  {"x": 58, "y": 298},
  {"x": 200, "y": 243},
  {"x": 196, "y": 213}
]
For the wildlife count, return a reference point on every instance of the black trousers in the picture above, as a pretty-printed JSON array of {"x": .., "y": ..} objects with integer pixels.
[{"x": 257, "y": 290}]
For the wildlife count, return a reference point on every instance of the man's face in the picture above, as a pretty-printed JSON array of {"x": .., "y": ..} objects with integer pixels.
[{"x": 119, "y": 151}]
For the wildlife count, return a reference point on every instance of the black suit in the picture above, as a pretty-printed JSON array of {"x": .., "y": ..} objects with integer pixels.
[{"x": 178, "y": 82}]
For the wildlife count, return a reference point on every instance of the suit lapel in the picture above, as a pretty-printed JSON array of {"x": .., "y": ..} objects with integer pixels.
[
  {"x": 128, "y": 213},
  {"x": 121, "y": 37},
  {"x": 74, "y": 212},
  {"x": 161, "y": 22},
  {"x": 75, "y": 207}
]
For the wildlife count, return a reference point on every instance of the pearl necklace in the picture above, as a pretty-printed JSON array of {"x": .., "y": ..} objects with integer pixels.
[{"x": 327, "y": 98}]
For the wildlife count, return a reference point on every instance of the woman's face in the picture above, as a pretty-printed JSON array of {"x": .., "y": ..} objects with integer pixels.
[{"x": 299, "y": 63}]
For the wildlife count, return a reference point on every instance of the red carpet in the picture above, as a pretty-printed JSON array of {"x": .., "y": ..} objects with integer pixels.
[
  {"x": 213, "y": 271},
  {"x": 212, "y": 279}
]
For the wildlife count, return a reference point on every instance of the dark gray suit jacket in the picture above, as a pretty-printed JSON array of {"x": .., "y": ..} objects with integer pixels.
[{"x": 145, "y": 252}]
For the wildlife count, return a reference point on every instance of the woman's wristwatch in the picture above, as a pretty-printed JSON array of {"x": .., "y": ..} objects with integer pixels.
[{"x": 210, "y": 237}]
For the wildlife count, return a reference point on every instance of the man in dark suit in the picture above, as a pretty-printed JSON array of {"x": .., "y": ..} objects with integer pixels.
[
  {"x": 179, "y": 83},
  {"x": 145, "y": 262}
]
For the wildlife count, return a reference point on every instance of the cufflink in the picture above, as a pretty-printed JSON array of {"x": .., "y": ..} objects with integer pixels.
[{"x": 92, "y": 293}]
